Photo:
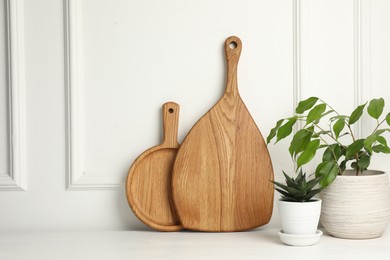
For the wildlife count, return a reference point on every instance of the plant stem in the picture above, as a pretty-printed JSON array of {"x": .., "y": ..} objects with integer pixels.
[
  {"x": 329, "y": 106},
  {"x": 350, "y": 130},
  {"x": 378, "y": 125},
  {"x": 356, "y": 154},
  {"x": 331, "y": 136}
]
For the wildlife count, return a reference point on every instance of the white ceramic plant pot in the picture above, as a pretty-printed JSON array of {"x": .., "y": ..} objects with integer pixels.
[
  {"x": 299, "y": 218},
  {"x": 356, "y": 207}
]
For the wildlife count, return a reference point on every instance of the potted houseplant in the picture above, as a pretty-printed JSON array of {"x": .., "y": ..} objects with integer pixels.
[
  {"x": 355, "y": 202},
  {"x": 299, "y": 211}
]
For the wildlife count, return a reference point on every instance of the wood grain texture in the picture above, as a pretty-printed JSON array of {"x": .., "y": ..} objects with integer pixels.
[
  {"x": 148, "y": 184},
  {"x": 222, "y": 172}
]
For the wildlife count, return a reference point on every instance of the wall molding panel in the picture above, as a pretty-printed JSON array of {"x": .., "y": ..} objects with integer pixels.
[
  {"x": 16, "y": 178},
  {"x": 296, "y": 57},
  {"x": 77, "y": 177},
  {"x": 362, "y": 54},
  {"x": 362, "y": 12}
]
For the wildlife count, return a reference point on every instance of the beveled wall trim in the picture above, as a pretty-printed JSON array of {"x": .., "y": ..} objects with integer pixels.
[
  {"x": 296, "y": 57},
  {"x": 15, "y": 178},
  {"x": 77, "y": 177},
  {"x": 362, "y": 54}
]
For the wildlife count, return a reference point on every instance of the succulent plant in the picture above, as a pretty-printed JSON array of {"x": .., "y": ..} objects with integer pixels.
[{"x": 299, "y": 189}]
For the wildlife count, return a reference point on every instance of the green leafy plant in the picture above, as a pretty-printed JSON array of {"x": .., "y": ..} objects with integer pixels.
[
  {"x": 298, "y": 189},
  {"x": 340, "y": 144}
]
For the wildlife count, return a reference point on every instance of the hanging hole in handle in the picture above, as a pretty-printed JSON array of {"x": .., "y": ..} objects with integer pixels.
[
  {"x": 170, "y": 110},
  {"x": 233, "y": 45}
]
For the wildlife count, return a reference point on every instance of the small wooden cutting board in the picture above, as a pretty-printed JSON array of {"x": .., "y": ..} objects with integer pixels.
[
  {"x": 222, "y": 172},
  {"x": 148, "y": 184}
]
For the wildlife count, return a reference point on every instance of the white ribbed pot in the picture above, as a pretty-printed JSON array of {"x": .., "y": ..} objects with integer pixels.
[
  {"x": 299, "y": 218},
  {"x": 356, "y": 207}
]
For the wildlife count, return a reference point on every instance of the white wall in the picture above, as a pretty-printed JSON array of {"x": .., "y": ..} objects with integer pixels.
[{"x": 88, "y": 79}]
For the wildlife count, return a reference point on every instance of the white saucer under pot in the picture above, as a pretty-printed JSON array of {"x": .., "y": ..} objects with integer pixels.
[{"x": 300, "y": 240}]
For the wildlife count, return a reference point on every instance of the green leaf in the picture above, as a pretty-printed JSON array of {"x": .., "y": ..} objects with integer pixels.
[
  {"x": 354, "y": 165},
  {"x": 299, "y": 142},
  {"x": 368, "y": 142},
  {"x": 323, "y": 132},
  {"x": 286, "y": 129},
  {"x": 343, "y": 150},
  {"x": 388, "y": 118},
  {"x": 274, "y": 130},
  {"x": 375, "y": 108},
  {"x": 380, "y": 148},
  {"x": 308, "y": 154},
  {"x": 356, "y": 114},
  {"x": 363, "y": 162},
  {"x": 381, "y": 140},
  {"x": 306, "y": 105},
  {"x": 337, "y": 117},
  {"x": 330, "y": 153},
  {"x": 299, "y": 177},
  {"x": 284, "y": 187},
  {"x": 293, "y": 191},
  {"x": 338, "y": 127},
  {"x": 313, "y": 182},
  {"x": 315, "y": 113},
  {"x": 343, "y": 166},
  {"x": 371, "y": 139},
  {"x": 326, "y": 113},
  {"x": 284, "y": 193},
  {"x": 381, "y": 131},
  {"x": 354, "y": 148},
  {"x": 337, "y": 151},
  {"x": 343, "y": 134},
  {"x": 290, "y": 181},
  {"x": 312, "y": 193},
  {"x": 328, "y": 171}
]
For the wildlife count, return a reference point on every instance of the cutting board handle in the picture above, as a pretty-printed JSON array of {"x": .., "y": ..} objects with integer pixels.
[
  {"x": 170, "y": 124},
  {"x": 233, "y": 47}
]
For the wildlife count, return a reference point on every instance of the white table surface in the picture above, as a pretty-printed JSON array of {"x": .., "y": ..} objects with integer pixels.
[{"x": 257, "y": 244}]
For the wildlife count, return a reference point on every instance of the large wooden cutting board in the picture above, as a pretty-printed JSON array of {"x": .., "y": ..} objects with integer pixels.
[
  {"x": 148, "y": 184},
  {"x": 222, "y": 172}
]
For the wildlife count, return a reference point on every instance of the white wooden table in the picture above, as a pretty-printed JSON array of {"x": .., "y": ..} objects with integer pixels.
[{"x": 257, "y": 244}]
